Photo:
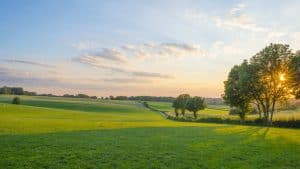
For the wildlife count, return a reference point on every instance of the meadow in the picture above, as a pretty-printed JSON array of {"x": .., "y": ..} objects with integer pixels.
[
  {"x": 222, "y": 111},
  {"x": 50, "y": 132}
]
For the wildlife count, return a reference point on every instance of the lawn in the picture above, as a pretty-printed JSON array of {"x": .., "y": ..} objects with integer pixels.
[{"x": 83, "y": 133}]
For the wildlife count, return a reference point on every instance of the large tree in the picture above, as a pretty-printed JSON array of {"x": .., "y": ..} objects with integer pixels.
[
  {"x": 272, "y": 68},
  {"x": 235, "y": 95},
  {"x": 195, "y": 104},
  {"x": 294, "y": 72},
  {"x": 271, "y": 76}
]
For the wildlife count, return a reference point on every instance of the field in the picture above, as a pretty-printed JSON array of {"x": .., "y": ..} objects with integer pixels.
[
  {"x": 222, "y": 111},
  {"x": 48, "y": 132}
]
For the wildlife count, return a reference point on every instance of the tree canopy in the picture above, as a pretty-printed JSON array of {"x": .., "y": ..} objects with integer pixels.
[{"x": 272, "y": 75}]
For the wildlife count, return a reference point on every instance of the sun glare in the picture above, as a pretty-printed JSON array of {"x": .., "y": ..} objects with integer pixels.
[{"x": 281, "y": 77}]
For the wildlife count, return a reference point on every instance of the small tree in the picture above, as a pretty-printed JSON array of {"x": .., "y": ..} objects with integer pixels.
[
  {"x": 182, "y": 102},
  {"x": 16, "y": 100},
  {"x": 146, "y": 104},
  {"x": 176, "y": 106},
  {"x": 195, "y": 104}
]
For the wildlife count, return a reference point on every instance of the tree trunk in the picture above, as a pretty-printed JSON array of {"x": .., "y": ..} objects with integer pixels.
[
  {"x": 272, "y": 111},
  {"x": 183, "y": 112},
  {"x": 268, "y": 111},
  {"x": 195, "y": 115},
  {"x": 176, "y": 112},
  {"x": 259, "y": 109}
]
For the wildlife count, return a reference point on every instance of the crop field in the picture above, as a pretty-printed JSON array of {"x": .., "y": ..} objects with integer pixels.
[{"x": 50, "y": 132}]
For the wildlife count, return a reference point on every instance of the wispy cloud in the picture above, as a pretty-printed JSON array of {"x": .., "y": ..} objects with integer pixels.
[
  {"x": 29, "y": 63},
  {"x": 163, "y": 50},
  {"x": 109, "y": 54},
  {"x": 142, "y": 51},
  {"x": 13, "y": 77},
  {"x": 91, "y": 61},
  {"x": 237, "y": 18},
  {"x": 122, "y": 59},
  {"x": 122, "y": 80},
  {"x": 152, "y": 74}
]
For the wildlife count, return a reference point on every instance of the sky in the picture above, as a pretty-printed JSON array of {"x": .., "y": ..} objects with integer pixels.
[{"x": 128, "y": 47}]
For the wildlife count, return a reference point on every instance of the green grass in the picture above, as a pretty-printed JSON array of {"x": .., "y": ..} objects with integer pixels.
[
  {"x": 222, "y": 111},
  {"x": 118, "y": 134}
]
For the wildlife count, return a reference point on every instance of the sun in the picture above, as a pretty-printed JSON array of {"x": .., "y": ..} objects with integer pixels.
[{"x": 281, "y": 77}]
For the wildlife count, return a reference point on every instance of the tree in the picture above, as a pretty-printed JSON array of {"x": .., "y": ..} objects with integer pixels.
[
  {"x": 271, "y": 76},
  {"x": 182, "y": 102},
  {"x": 294, "y": 72},
  {"x": 272, "y": 69},
  {"x": 195, "y": 104},
  {"x": 176, "y": 106},
  {"x": 16, "y": 100},
  {"x": 235, "y": 94}
]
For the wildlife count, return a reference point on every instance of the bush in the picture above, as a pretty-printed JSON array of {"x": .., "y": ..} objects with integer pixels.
[
  {"x": 146, "y": 104},
  {"x": 16, "y": 100}
]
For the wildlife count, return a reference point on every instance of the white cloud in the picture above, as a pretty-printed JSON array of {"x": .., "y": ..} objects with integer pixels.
[
  {"x": 112, "y": 54},
  {"x": 236, "y": 18},
  {"x": 29, "y": 63},
  {"x": 163, "y": 50},
  {"x": 120, "y": 69}
]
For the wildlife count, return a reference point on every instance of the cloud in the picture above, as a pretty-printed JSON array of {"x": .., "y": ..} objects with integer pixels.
[
  {"x": 151, "y": 74},
  {"x": 91, "y": 61},
  {"x": 113, "y": 54},
  {"x": 238, "y": 19},
  {"x": 122, "y": 80},
  {"x": 145, "y": 51},
  {"x": 163, "y": 50},
  {"x": 123, "y": 59},
  {"x": 29, "y": 63},
  {"x": 13, "y": 77}
]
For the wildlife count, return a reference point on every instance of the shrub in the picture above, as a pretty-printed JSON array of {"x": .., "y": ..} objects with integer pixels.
[
  {"x": 146, "y": 104},
  {"x": 16, "y": 100}
]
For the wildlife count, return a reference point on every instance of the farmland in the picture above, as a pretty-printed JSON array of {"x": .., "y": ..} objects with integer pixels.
[{"x": 46, "y": 132}]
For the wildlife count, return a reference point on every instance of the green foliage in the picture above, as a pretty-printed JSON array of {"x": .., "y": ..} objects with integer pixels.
[
  {"x": 16, "y": 100},
  {"x": 195, "y": 104},
  {"x": 176, "y": 106},
  {"x": 182, "y": 101},
  {"x": 294, "y": 75},
  {"x": 11, "y": 90},
  {"x": 236, "y": 94},
  {"x": 146, "y": 104},
  {"x": 269, "y": 78}
]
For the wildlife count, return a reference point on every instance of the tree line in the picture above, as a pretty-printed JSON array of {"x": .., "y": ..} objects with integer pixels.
[
  {"x": 185, "y": 102},
  {"x": 15, "y": 91},
  {"x": 269, "y": 77}
]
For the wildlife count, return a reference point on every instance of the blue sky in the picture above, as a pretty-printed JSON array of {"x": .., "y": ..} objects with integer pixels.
[{"x": 136, "y": 47}]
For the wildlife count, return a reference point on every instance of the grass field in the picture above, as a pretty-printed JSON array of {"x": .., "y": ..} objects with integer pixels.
[
  {"x": 222, "y": 111},
  {"x": 47, "y": 132}
]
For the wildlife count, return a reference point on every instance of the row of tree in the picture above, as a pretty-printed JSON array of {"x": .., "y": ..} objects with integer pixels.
[
  {"x": 269, "y": 77},
  {"x": 15, "y": 91},
  {"x": 144, "y": 98},
  {"x": 185, "y": 102},
  {"x": 80, "y": 95}
]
